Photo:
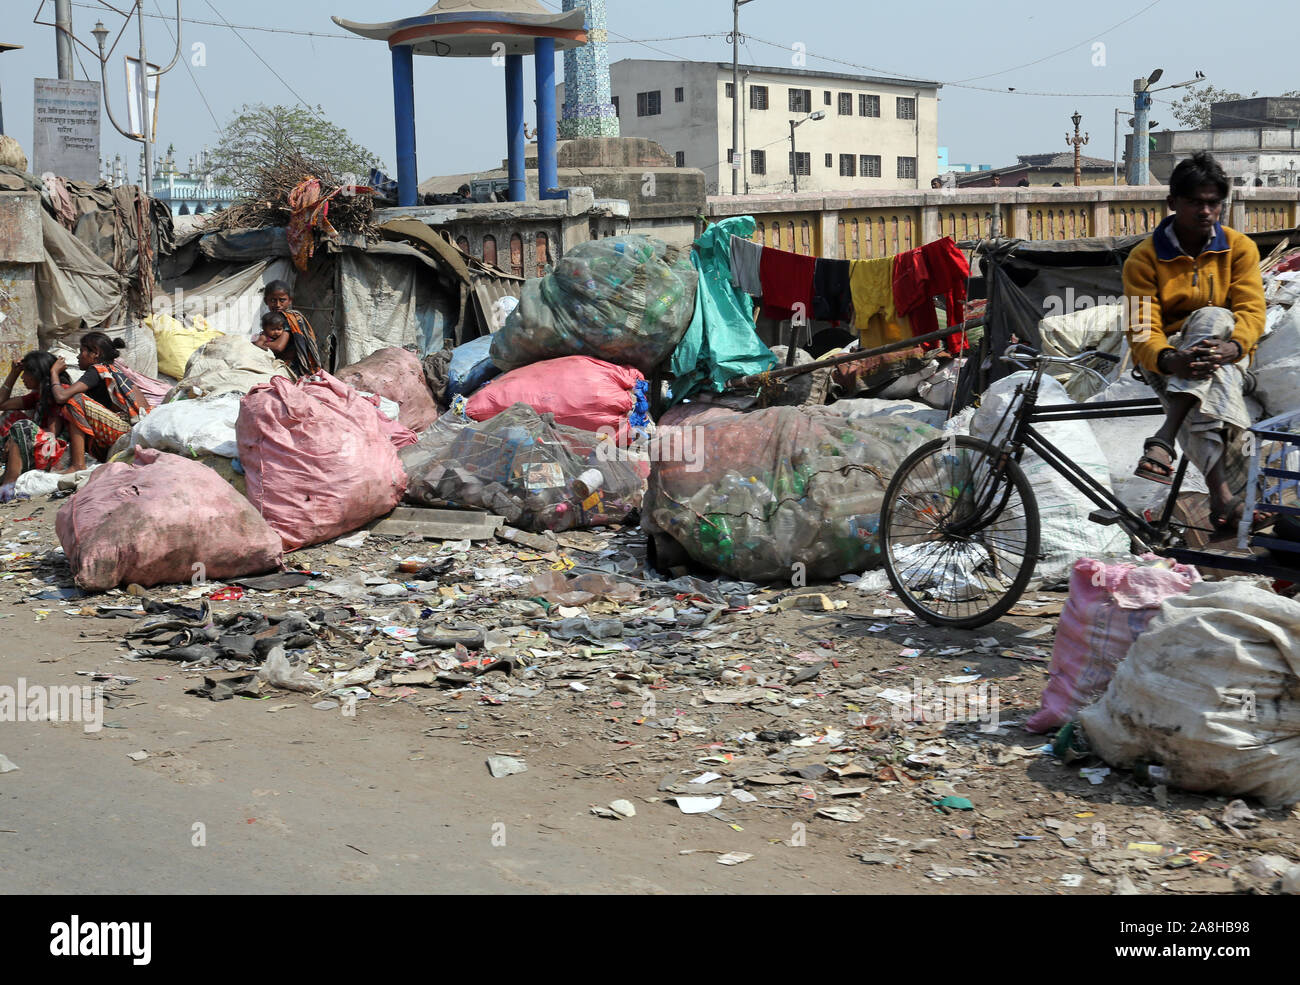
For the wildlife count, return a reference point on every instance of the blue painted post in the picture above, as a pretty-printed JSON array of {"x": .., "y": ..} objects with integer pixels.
[
  {"x": 408, "y": 177},
  {"x": 548, "y": 176},
  {"x": 515, "y": 126}
]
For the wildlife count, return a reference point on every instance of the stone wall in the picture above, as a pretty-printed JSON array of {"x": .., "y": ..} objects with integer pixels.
[{"x": 22, "y": 247}]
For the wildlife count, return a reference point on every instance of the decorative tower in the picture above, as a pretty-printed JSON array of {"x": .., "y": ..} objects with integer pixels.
[{"x": 588, "y": 110}]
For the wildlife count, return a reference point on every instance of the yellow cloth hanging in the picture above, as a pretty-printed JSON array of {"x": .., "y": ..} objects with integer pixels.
[{"x": 872, "y": 284}]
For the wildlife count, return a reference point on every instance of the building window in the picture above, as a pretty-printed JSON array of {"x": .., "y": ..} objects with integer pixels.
[
  {"x": 868, "y": 105},
  {"x": 731, "y": 90},
  {"x": 614, "y": 100},
  {"x": 542, "y": 243},
  {"x": 826, "y": 98},
  {"x": 869, "y": 165},
  {"x": 829, "y": 161},
  {"x": 846, "y": 104},
  {"x": 731, "y": 155},
  {"x": 848, "y": 166},
  {"x": 758, "y": 97},
  {"x": 758, "y": 162},
  {"x": 805, "y": 162},
  {"x": 490, "y": 250},
  {"x": 516, "y": 255},
  {"x": 647, "y": 103},
  {"x": 907, "y": 167},
  {"x": 906, "y": 108},
  {"x": 800, "y": 100},
  {"x": 681, "y": 158},
  {"x": 679, "y": 95}
]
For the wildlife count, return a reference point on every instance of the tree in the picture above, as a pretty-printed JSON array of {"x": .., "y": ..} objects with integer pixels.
[
  {"x": 1193, "y": 109},
  {"x": 260, "y": 135}
]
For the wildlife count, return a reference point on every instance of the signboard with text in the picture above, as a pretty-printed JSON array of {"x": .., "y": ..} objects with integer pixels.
[{"x": 66, "y": 124}]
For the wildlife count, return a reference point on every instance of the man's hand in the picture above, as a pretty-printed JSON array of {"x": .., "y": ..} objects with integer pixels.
[
  {"x": 1220, "y": 352},
  {"x": 1190, "y": 364}
]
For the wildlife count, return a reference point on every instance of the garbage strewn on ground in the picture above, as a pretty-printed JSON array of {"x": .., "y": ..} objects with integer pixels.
[{"x": 514, "y": 589}]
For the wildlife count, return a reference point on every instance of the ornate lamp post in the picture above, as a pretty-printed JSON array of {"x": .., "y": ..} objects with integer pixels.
[{"x": 1076, "y": 141}]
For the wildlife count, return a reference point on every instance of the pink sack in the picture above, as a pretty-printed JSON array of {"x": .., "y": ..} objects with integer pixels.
[
  {"x": 398, "y": 375},
  {"x": 318, "y": 458},
  {"x": 580, "y": 391},
  {"x": 1109, "y": 607},
  {"x": 154, "y": 390},
  {"x": 153, "y": 522}
]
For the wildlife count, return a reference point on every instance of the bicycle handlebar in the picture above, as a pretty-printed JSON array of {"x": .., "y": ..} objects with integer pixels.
[{"x": 1019, "y": 354}]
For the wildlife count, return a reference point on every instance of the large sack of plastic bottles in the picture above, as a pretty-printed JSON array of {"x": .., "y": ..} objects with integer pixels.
[
  {"x": 523, "y": 466},
  {"x": 626, "y": 300},
  {"x": 775, "y": 494}
]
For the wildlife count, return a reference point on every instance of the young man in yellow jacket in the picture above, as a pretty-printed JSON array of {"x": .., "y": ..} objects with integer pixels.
[{"x": 1195, "y": 314}]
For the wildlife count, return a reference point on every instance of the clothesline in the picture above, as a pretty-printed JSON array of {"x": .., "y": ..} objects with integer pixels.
[{"x": 889, "y": 299}]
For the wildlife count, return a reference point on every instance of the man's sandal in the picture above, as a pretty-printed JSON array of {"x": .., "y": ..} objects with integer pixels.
[{"x": 1153, "y": 468}]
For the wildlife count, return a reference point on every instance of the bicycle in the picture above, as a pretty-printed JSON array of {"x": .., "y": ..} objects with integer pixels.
[{"x": 960, "y": 526}]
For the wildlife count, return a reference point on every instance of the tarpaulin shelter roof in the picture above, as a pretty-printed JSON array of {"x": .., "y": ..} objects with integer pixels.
[{"x": 477, "y": 28}]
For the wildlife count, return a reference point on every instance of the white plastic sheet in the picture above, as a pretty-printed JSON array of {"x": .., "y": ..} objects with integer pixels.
[
  {"x": 1067, "y": 533},
  {"x": 1209, "y": 692}
]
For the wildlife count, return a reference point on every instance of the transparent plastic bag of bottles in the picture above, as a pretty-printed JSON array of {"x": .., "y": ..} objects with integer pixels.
[
  {"x": 774, "y": 494},
  {"x": 524, "y": 467},
  {"x": 626, "y": 300}
]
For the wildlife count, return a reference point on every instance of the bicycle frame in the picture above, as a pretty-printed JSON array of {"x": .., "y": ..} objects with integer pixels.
[{"x": 1023, "y": 434}]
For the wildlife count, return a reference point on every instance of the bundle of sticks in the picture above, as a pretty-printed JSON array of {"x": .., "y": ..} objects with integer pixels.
[{"x": 350, "y": 211}]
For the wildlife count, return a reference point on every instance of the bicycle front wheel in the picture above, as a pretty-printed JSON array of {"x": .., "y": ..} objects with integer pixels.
[{"x": 960, "y": 531}]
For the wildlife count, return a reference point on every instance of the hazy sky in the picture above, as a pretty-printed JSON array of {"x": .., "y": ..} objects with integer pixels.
[{"x": 1073, "y": 51}]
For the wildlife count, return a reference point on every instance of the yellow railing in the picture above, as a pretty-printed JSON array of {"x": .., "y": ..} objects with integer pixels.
[
  {"x": 1263, "y": 216},
  {"x": 1132, "y": 218},
  {"x": 798, "y": 232}
]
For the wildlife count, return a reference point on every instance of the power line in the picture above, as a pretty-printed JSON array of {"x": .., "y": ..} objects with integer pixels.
[
  {"x": 1054, "y": 54},
  {"x": 189, "y": 71},
  {"x": 954, "y": 85},
  {"x": 624, "y": 37},
  {"x": 310, "y": 108},
  {"x": 241, "y": 27}
]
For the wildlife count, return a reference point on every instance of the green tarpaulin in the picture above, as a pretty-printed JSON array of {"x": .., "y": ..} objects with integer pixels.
[{"x": 720, "y": 343}]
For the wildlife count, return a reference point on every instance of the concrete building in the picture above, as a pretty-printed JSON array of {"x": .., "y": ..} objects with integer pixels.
[
  {"x": 1257, "y": 141},
  {"x": 877, "y": 133}
]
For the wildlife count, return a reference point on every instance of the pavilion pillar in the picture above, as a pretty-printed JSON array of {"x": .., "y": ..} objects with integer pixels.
[
  {"x": 408, "y": 178},
  {"x": 548, "y": 177},
  {"x": 515, "y": 126}
]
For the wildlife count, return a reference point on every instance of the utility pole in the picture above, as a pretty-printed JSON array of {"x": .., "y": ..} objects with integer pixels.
[
  {"x": 146, "y": 124},
  {"x": 1077, "y": 142},
  {"x": 735, "y": 93},
  {"x": 794, "y": 157},
  {"x": 1115, "y": 153},
  {"x": 5, "y": 46},
  {"x": 63, "y": 36}
]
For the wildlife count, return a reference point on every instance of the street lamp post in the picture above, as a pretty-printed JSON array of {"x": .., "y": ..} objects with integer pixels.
[
  {"x": 794, "y": 157},
  {"x": 735, "y": 93},
  {"x": 1077, "y": 142},
  {"x": 145, "y": 137},
  {"x": 1139, "y": 165}
]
